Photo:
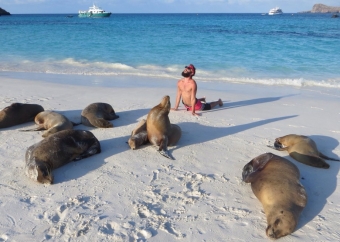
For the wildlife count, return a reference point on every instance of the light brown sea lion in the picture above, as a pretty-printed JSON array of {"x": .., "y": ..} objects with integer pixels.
[
  {"x": 159, "y": 129},
  {"x": 97, "y": 114},
  {"x": 56, "y": 150},
  {"x": 139, "y": 136},
  {"x": 275, "y": 182},
  {"x": 302, "y": 149},
  {"x": 18, "y": 113},
  {"x": 52, "y": 122}
]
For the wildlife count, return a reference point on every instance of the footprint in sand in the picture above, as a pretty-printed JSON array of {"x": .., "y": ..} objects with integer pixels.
[{"x": 72, "y": 218}]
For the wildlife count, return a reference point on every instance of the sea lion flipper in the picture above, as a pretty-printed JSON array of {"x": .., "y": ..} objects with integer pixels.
[
  {"x": 327, "y": 158},
  {"x": 310, "y": 160},
  {"x": 273, "y": 147},
  {"x": 39, "y": 128},
  {"x": 254, "y": 166},
  {"x": 101, "y": 123},
  {"x": 166, "y": 154}
]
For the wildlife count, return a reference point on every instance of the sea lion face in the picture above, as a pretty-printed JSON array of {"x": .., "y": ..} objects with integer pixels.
[
  {"x": 281, "y": 225},
  {"x": 289, "y": 140},
  {"x": 165, "y": 103},
  {"x": 278, "y": 144},
  {"x": 111, "y": 113},
  {"x": 39, "y": 173},
  {"x": 138, "y": 139}
]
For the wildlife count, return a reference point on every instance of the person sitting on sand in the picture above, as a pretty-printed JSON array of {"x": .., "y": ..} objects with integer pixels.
[{"x": 187, "y": 89}]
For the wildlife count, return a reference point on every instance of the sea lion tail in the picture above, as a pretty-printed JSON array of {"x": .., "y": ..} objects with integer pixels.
[
  {"x": 75, "y": 124},
  {"x": 35, "y": 129},
  {"x": 327, "y": 158}
]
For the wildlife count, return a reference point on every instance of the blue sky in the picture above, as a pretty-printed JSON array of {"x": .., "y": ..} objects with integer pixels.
[{"x": 161, "y": 6}]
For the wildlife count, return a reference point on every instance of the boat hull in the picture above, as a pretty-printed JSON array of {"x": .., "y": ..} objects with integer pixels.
[{"x": 94, "y": 15}]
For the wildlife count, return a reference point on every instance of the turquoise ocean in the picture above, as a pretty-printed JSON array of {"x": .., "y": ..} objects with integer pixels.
[{"x": 290, "y": 49}]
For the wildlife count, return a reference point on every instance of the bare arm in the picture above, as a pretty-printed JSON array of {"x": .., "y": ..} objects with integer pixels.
[
  {"x": 193, "y": 97},
  {"x": 178, "y": 97}
]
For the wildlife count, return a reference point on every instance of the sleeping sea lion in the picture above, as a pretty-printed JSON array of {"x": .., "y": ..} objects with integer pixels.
[
  {"x": 275, "y": 182},
  {"x": 56, "y": 150},
  {"x": 52, "y": 122},
  {"x": 97, "y": 114},
  {"x": 18, "y": 113},
  {"x": 139, "y": 135},
  {"x": 302, "y": 149},
  {"x": 159, "y": 129}
]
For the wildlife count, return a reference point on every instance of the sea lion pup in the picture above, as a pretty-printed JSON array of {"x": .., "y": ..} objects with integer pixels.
[
  {"x": 97, "y": 114},
  {"x": 139, "y": 136},
  {"x": 160, "y": 132},
  {"x": 52, "y": 122},
  {"x": 56, "y": 150},
  {"x": 18, "y": 113},
  {"x": 275, "y": 182},
  {"x": 302, "y": 149}
]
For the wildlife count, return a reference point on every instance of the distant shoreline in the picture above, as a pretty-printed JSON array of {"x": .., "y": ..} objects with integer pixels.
[{"x": 321, "y": 8}]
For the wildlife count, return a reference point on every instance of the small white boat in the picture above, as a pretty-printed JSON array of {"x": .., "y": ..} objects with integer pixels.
[
  {"x": 94, "y": 12},
  {"x": 275, "y": 11}
]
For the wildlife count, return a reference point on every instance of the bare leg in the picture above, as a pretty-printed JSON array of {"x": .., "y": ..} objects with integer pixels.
[
  {"x": 214, "y": 104},
  {"x": 201, "y": 99}
]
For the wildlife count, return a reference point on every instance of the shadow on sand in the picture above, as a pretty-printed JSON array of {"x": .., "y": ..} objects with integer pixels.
[
  {"x": 109, "y": 148},
  {"x": 208, "y": 133},
  {"x": 228, "y": 105}
]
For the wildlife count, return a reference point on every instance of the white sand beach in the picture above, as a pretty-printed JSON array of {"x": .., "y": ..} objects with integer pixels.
[{"x": 139, "y": 195}]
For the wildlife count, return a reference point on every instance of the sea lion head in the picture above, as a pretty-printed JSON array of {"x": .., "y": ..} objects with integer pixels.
[
  {"x": 290, "y": 140},
  {"x": 40, "y": 172},
  {"x": 110, "y": 111},
  {"x": 165, "y": 103},
  {"x": 281, "y": 224},
  {"x": 278, "y": 144},
  {"x": 138, "y": 139}
]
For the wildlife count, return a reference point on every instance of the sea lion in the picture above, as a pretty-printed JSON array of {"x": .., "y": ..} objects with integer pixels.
[
  {"x": 159, "y": 129},
  {"x": 52, "y": 122},
  {"x": 56, "y": 150},
  {"x": 302, "y": 149},
  {"x": 18, "y": 113},
  {"x": 139, "y": 136},
  {"x": 275, "y": 182},
  {"x": 97, "y": 114}
]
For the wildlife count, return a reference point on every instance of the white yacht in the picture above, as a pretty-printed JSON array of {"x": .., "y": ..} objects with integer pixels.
[
  {"x": 94, "y": 12},
  {"x": 275, "y": 11}
]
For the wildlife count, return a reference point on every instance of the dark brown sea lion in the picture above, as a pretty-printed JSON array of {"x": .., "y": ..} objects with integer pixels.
[
  {"x": 18, "y": 113},
  {"x": 97, "y": 114},
  {"x": 302, "y": 149},
  {"x": 139, "y": 135},
  {"x": 159, "y": 129},
  {"x": 275, "y": 182},
  {"x": 56, "y": 150},
  {"x": 52, "y": 122}
]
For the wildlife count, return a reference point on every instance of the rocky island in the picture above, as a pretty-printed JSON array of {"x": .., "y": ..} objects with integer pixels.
[
  {"x": 321, "y": 8},
  {"x": 4, "y": 12}
]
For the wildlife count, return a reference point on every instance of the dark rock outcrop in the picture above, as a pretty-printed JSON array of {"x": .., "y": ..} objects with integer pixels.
[
  {"x": 321, "y": 8},
  {"x": 4, "y": 12}
]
